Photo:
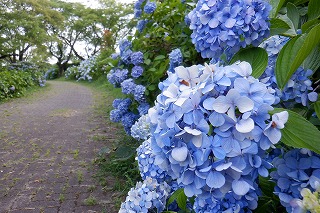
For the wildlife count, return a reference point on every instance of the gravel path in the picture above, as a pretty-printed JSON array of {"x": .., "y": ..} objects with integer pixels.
[{"x": 47, "y": 146}]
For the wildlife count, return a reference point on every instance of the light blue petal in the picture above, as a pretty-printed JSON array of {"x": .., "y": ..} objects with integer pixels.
[
  {"x": 215, "y": 180},
  {"x": 216, "y": 119},
  {"x": 230, "y": 22},
  {"x": 240, "y": 187},
  {"x": 180, "y": 154},
  {"x": 208, "y": 103},
  {"x": 220, "y": 104},
  {"x": 213, "y": 23},
  {"x": 244, "y": 104},
  {"x": 245, "y": 125}
]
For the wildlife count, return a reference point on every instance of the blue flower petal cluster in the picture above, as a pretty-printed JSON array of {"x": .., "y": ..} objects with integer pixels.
[
  {"x": 146, "y": 160},
  {"x": 137, "y": 71},
  {"x": 128, "y": 86},
  {"x": 298, "y": 169},
  {"x": 230, "y": 203},
  {"x": 147, "y": 196},
  {"x": 137, "y": 58},
  {"x": 137, "y": 8},
  {"x": 225, "y": 26},
  {"x": 143, "y": 108},
  {"x": 299, "y": 87},
  {"x": 121, "y": 107},
  {"x": 84, "y": 71},
  {"x": 175, "y": 58},
  {"x": 150, "y": 7},
  {"x": 141, "y": 25},
  {"x": 210, "y": 128},
  {"x": 141, "y": 129},
  {"x": 139, "y": 93},
  {"x": 127, "y": 120},
  {"x": 117, "y": 76},
  {"x": 310, "y": 200}
]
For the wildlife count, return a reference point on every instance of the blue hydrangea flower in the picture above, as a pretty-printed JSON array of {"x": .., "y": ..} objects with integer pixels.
[
  {"x": 141, "y": 25},
  {"x": 295, "y": 171},
  {"x": 128, "y": 86},
  {"x": 115, "y": 115},
  {"x": 117, "y": 76},
  {"x": 146, "y": 160},
  {"x": 124, "y": 45},
  {"x": 175, "y": 58},
  {"x": 124, "y": 105},
  {"x": 299, "y": 87},
  {"x": 127, "y": 120},
  {"x": 139, "y": 93},
  {"x": 150, "y": 7},
  {"x": 225, "y": 26},
  {"x": 143, "y": 108},
  {"x": 138, "y": 4},
  {"x": 206, "y": 130},
  {"x": 137, "y": 13},
  {"x": 147, "y": 196},
  {"x": 141, "y": 129},
  {"x": 137, "y": 58},
  {"x": 116, "y": 102},
  {"x": 136, "y": 71}
]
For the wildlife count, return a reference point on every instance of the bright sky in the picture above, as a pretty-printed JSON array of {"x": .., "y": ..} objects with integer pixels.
[{"x": 92, "y": 3}]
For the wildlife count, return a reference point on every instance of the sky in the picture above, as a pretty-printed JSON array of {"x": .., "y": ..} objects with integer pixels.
[{"x": 92, "y": 3}]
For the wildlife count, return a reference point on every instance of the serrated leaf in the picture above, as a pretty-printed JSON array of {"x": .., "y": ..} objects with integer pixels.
[
  {"x": 278, "y": 26},
  {"x": 317, "y": 108},
  {"x": 299, "y": 133},
  {"x": 312, "y": 62},
  {"x": 293, "y": 14},
  {"x": 159, "y": 57},
  {"x": 294, "y": 53},
  {"x": 313, "y": 9},
  {"x": 276, "y": 6},
  {"x": 256, "y": 56}
]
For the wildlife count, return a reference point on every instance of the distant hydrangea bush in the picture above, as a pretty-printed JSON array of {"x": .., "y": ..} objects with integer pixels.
[
  {"x": 224, "y": 161},
  {"x": 226, "y": 26}
]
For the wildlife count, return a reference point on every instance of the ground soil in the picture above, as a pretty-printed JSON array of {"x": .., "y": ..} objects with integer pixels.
[{"x": 47, "y": 145}]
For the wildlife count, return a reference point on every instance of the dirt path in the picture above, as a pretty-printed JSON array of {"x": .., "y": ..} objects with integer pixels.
[{"x": 46, "y": 152}]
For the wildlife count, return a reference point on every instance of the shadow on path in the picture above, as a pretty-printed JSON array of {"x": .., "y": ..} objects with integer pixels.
[{"x": 46, "y": 153}]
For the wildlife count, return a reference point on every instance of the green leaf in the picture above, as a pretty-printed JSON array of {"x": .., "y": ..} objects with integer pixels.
[
  {"x": 317, "y": 108},
  {"x": 180, "y": 197},
  {"x": 147, "y": 61},
  {"x": 309, "y": 24},
  {"x": 313, "y": 9},
  {"x": 312, "y": 62},
  {"x": 299, "y": 133},
  {"x": 278, "y": 26},
  {"x": 276, "y": 6},
  {"x": 293, "y": 14},
  {"x": 256, "y": 56},
  {"x": 159, "y": 57},
  {"x": 294, "y": 53}
]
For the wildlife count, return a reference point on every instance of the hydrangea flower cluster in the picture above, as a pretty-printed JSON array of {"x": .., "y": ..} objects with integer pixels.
[
  {"x": 175, "y": 58},
  {"x": 122, "y": 113},
  {"x": 86, "y": 68},
  {"x": 146, "y": 196},
  {"x": 299, "y": 87},
  {"x": 225, "y": 26},
  {"x": 210, "y": 128},
  {"x": 146, "y": 160},
  {"x": 297, "y": 171},
  {"x": 141, "y": 129},
  {"x": 150, "y": 7},
  {"x": 120, "y": 77},
  {"x": 137, "y": 8}
]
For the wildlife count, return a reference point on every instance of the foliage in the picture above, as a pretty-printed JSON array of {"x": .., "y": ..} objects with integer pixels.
[{"x": 17, "y": 78}]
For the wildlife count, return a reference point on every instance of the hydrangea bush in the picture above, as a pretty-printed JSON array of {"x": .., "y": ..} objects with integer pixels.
[
  {"x": 236, "y": 130},
  {"x": 85, "y": 71}
]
